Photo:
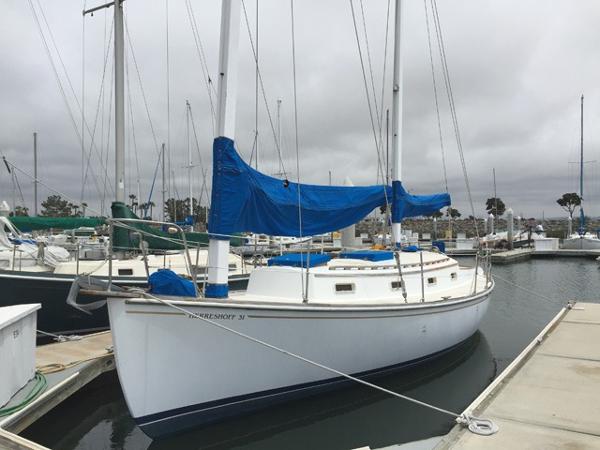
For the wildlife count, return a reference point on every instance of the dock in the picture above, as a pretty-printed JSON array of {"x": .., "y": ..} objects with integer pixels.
[
  {"x": 67, "y": 367},
  {"x": 525, "y": 253},
  {"x": 511, "y": 256},
  {"x": 549, "y": 396}
]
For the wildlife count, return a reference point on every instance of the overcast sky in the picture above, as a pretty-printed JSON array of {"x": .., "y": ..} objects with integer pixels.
[{"x": 517, "y": 68}]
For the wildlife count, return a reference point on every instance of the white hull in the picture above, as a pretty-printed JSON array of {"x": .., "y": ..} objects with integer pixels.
[
  {"x": 177, "y": 371},
  {"x": 585, "y": 242}
]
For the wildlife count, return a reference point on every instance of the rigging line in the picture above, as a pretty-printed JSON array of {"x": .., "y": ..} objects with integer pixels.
[
  {"x": 93, "y": 135},
  {"x": 262, "y": 88},
  {"x": 139, "y": 78},
  {"x": 364, "y": 22},
  {"x": 103, "y": 113},
  {"x": 60, "y": 86},
  {"x": 254, "y": 146},
  {"x": 70, "y": 84},
  {"x": 383, "y": 77},
  {"x": 450, "y": 94},
  {"x": 256, "y": 88},
  {"x": 83, "y": 99},
  {"x": 62, "y": 194},
  {"x": 203, "y": 169},
  {"x": 304, "y": 293},
  {"x": 175, "y": 187},
  {"x": 110, "y": 114},
  {"x": 152, "y": 187},
  {"x": 200, "y": 50},
  {"x": 135, "y": 147},
  {"x": 19, "y": 189},
  {"x": 54, "y": 69},
  {"x": 545, "y": 297},
  {"x": 435, "y": 94},
  {"x": 168, "y": 98},
  {"x": 307, "y": 360},
  {"x": 366, "y": 85}
]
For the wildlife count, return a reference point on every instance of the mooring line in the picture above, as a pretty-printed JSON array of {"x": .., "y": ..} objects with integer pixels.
[{"x": 476, "y": 425}]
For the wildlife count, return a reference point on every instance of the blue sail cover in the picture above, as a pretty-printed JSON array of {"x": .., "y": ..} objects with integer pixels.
[
  {"x": 244, "y": 199},
  {"x": 407, "y": 205}
]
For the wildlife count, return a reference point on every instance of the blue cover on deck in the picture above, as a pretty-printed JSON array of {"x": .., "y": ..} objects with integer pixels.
[
  {"x": 411, "y": 248},
  {"x": 167, "y": 282},
  {"x": 368, "y": 255},
  {"x": 244, "y": 199},
  {"x": 299, "y": 260}
]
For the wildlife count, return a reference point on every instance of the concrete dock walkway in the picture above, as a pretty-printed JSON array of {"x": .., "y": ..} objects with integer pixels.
[{"x": 549, "y": 397}]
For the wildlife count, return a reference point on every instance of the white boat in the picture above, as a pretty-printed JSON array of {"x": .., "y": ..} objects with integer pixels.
[
  {"x": 356, "y": 321},
  {"x": 584, "y": 241},
  {"x": 184, "y": 362}
]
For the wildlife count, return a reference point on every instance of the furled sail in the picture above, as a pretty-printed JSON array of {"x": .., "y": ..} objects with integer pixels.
[{"x": 244, "y": 199}]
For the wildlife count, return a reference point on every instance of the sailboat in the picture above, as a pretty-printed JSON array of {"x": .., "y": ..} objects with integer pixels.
[
  {"x": 184, "y": 362},
  {"x": 582, "y": 240},
  {"x": 28, "y": 274}
]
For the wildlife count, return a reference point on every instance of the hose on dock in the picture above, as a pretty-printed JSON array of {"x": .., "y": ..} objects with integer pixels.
[{"x": 36, "y": 390}]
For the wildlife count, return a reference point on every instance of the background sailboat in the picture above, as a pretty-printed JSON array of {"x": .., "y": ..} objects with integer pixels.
[{"x": 582, "y": 239}]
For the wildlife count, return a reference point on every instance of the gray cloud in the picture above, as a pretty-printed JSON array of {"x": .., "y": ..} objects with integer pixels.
[{"x": 517, "y": 67}]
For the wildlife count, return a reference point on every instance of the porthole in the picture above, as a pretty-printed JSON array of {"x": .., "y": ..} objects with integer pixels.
[
  {"x": 126, "y": 272},
  {"x": 397, "y": 285},
  {"x": 431, "y": 281},
  {"x": 453, "y": 276},
  {"x": 344, "y": 287}
]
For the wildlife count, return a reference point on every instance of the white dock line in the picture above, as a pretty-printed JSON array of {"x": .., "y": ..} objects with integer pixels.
[{"x": 474, "y": 424}]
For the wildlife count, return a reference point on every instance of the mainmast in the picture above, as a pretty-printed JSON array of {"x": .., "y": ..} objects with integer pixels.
[
  {"x": 119, "y": 97},
  {"x": 119, "y": 105},
  {"x": 397, "y": 116},
  {"x": 581, "y": 214},
  {"x": 218, "y": 249}
]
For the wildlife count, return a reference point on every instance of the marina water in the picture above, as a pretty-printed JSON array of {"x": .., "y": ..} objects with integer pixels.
[{"x": 97, "y": 417}]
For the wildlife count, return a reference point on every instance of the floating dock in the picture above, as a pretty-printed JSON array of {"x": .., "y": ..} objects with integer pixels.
[
  {"x": 511, "y": 256},
  {"x": 549, "y": 396},
  {"x": 67, "y": 367},
  {"x": 522, "y": 254}
]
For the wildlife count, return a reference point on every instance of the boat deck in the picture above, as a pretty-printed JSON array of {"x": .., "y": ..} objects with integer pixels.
[{"x": 549, "y": 397}]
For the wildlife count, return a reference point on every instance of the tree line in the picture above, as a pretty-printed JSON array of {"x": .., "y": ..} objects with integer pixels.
[{"x": 178, "y": 209}]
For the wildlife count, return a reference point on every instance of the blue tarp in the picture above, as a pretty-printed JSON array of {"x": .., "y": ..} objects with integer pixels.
[
  {"x": 244, "y": 199},
  {"x": 407, "y": 205},
  {"x": 368, "y": 255},
  {"x": 167, "y": 282},
  {"x": 299, "y": 260}
]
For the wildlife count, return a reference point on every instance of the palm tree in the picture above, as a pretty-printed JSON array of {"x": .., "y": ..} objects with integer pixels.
[{"x": 151, "y": 205}]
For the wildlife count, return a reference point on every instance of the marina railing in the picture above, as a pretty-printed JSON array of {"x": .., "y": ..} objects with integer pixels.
[
  {"x": 483, "y": 261},
  {"x": 172, "y": 228}
]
